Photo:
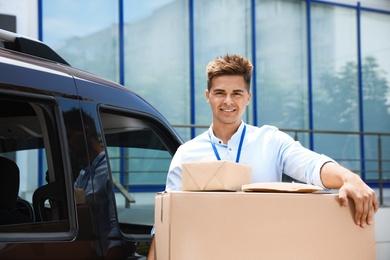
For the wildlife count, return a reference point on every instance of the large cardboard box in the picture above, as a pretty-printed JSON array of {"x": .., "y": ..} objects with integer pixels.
[
  {"x": 251, "y": 225},
  {"x": 215, "y": 175}
]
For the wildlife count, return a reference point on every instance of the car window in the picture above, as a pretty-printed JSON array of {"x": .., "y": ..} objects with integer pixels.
[
  {"x": 139, "y": 162},
  {"x": 33, "y": 191}
]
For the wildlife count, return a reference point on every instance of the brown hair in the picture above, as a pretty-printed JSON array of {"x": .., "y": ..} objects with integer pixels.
[{"x": 229, "y": 65}]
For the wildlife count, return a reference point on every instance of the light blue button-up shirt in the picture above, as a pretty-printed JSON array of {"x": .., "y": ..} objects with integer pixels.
[
  {"x": 267, "y": 150},
  {"x": 99, "y": 195}
]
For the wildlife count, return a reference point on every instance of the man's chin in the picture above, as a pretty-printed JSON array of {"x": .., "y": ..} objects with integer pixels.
[{"x": 232, "y": 121}]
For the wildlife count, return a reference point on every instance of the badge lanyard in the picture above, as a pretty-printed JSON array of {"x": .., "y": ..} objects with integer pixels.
[{"x": 239, "y": 146}]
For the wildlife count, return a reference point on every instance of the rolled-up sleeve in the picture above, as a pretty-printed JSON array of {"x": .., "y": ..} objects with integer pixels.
[{"x": 299, "y": 162}]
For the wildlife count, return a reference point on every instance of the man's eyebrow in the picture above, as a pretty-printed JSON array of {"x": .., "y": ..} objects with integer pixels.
[
  {"x": 222, "y": 90},
  {"x": 218, "y": 90}
]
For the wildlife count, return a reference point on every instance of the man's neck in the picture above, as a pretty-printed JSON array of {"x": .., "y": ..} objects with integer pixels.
[
  {"x": 95, "y": 149},
  {"x": 225, "y": 131}
]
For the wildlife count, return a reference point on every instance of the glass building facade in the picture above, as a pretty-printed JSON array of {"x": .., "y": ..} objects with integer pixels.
[{"x": 322, "y": 69}]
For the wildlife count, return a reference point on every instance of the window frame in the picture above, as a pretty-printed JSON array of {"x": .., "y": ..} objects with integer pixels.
[
  {"x": 161, "y": 130},
  {"x": 55, "y": 145}
]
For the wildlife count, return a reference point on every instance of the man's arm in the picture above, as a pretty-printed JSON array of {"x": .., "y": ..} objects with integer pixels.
[
  {"x": 350, "y": 185},
  {"x": 151, "y": 254}
]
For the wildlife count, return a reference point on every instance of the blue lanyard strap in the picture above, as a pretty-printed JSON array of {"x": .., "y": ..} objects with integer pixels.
[
  {"x": 215, "y": 151},
  {"x": 239, "y": 146}
]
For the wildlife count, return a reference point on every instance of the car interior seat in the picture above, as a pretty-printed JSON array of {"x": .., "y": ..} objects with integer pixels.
[
  {"x": 9, "y": 190},
  {"x": 51, "y": 193}
]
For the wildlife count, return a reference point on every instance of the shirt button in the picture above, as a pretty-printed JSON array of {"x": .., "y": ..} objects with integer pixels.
[
  {"x": 230, "y": 149},
  {"x": 220, "y": 142}
]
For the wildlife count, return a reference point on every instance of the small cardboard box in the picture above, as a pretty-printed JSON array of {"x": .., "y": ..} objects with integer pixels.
[
  {"x": 252, "y": 225},
  {"x": 215, "y": 175}
]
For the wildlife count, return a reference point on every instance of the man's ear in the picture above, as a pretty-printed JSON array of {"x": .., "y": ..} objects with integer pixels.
[
  {"x": 207, "y": 95},
  {"x": 249, "y": 98}
]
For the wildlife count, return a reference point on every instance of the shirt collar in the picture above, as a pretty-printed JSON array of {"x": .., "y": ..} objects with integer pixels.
[
  {"x": 234, "y": 140},
  {"x": 98, "y": 159},
  {"x": 95, "y": 162}
]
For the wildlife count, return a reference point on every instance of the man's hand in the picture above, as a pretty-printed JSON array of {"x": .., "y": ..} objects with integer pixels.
[
  {"x": 151, "y": 254},
  {"x": 350, "y": 185},
  {"x": 366, "y": 202}
]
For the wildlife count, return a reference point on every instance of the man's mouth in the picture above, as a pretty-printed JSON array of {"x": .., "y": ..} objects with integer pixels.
[{"x": 228, "y": 110}]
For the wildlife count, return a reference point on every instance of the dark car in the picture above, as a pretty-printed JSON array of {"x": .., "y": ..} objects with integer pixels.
[{"x": 77, "y": 156}]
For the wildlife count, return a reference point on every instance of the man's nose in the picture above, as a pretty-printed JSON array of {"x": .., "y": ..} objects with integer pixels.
[{"x": 228, "y": 99}]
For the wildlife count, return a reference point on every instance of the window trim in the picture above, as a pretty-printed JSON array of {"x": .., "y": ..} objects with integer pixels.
[{"x": 39, "y": 101}]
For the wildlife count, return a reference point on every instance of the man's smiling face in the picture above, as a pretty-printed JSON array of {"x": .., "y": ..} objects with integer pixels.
[{"x": 228, "y": 98}]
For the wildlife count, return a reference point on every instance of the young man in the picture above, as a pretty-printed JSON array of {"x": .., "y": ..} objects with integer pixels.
[{"x": 269, "y": 151}]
